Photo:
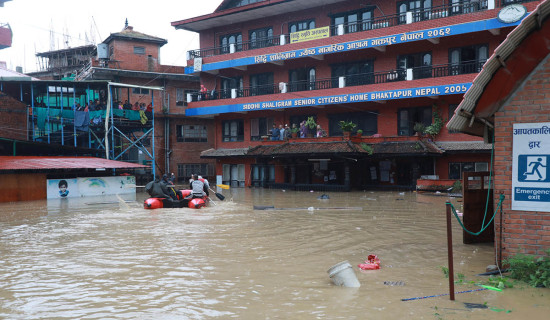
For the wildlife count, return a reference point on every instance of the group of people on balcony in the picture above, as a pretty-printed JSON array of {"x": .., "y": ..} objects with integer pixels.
[
  {"x": 283, "y": 133},
  {"x": 135, "y": 107}
]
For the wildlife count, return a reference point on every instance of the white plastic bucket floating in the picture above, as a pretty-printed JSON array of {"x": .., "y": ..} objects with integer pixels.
[{"x": 342, "y": 274}]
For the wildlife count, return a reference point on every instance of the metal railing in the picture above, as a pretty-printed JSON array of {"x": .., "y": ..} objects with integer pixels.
[{"x": 359, "y": 79}]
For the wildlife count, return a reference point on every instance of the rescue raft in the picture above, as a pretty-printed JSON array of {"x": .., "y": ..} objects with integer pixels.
[{"x": 157, "y": 203}]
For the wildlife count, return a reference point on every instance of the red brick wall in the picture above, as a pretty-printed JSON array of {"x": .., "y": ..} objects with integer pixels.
[
  {"x": 128, "y": 60},
  {"x": 523, "y": 231},
  {"x": 14, "y": 118}
]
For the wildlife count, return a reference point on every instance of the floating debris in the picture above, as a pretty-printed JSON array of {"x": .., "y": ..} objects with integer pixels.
[{"x": 395, "y": 283}]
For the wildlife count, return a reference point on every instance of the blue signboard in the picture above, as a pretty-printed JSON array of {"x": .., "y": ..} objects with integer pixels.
[
  {"x": 337, "y": 99},
  {"x": 426, "y": 34}
]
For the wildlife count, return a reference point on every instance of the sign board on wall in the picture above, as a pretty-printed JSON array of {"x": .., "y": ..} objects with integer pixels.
[
  {"x": 311, "y": 34},
  {"x": 530, "y": 172},
  {"x": 90, "y": 186}
]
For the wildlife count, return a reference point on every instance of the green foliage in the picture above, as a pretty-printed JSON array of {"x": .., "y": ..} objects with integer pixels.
[
  {"x": 367, "y": 148},
  {"x": 499, "y": 282},
  {"x": 535, "y": 271},
  {"x": 445, "y": 271},
  {"x": 436, "y": 126},
  {"x": 359, "y": 131},
  {"x": 347, "y": 126},
  {"x": 310, "y": 123},
  {"x": 457, "y": 186},
  {"x": 294, "y": 130},
  {"x": 419, "y": 127}
]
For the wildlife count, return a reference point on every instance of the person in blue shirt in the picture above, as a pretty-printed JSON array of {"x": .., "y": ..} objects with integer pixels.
[{"x": 275, "y": 133}]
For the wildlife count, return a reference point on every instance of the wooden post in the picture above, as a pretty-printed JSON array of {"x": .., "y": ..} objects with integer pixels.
[{"x": 450, "y": 252}]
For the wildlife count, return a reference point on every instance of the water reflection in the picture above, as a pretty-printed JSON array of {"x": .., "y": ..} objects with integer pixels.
[{"x": 113, "y": 259}]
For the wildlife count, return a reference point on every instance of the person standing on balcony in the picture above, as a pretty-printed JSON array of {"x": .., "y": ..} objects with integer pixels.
[
  {"x": 281, "y": 132},
  {"x": 275, "y": 133},
  {"x": 287, "y": 132}
]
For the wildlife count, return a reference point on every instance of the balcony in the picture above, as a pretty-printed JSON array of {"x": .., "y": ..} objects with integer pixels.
[
  {"x": 458, "y": 8},
  {"x": 438, "y": 71}
]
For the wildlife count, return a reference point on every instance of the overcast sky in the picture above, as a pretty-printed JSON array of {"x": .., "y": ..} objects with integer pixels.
[{"x": 32, "y": 20}]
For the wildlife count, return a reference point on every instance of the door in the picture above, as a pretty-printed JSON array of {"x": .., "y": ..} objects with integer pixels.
[{"x": 475, "y": 186}]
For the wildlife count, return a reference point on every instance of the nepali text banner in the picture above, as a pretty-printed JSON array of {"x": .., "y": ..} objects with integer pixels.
[{"x": 311, "y": 34}]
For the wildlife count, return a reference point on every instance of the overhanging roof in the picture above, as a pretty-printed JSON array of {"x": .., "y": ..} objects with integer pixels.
[
  {"x": 524, "y": 49},
  {"x": 63, "y": 163},
  {"x": 258, "y": 10}
]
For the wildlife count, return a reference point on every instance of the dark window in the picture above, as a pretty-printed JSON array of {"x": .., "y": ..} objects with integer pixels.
[
  {"x": 301, "y": 79},
  {"x": 457, "y": 168},
  {"x": 139, "y": 50},
  {"x": 181, "y": 96},
  {"x": 191, "y": 133},
  {"x": 420, "y": 63},
  {"x": 231, "y": 83},
  {"x": 408, "y": 117},
  {"x": 356, "y": 73},
  {"x": 261, "y": 38},
  {"x": 469, "y": 59},
  {"x": 262, "y": 174},
  {"x": 301, "y": 25},
  {"x": 366, "y": 121},
  {"x": 233, "y": 130},
  {"x": 354, "y": 21},
  {"x": 260, "y": 127},
  {"x": 185, "y": 170},
  {"x": 140, "y": 91},
  {"x": 228, "y": 39},
  {"x": 467, "y": 6},
  {"x": 420, "y": 10},
  {"x": 261, "y": 84}
]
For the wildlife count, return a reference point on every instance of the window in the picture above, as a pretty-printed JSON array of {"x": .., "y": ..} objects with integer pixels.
[
  {"x": 239, "y": 3},
  {"x": 260, "y": 127},
  {"x": 185, "y": 170},
  {"x": 233, "y": 130},
  {"x": 228, "y": 39},
  {"x": 180, "y": 97},
  {"x": 467, "y": 6},
  {"x": 366, "y": 121},
  {"x": 356, "y": 73},
  {"x": 261, "y": 175},
  {"x": 140, "y": 91},
  {"x": 469, "y": 59},
  {"x": 354, "y": 21},
  {"x": 420, "y": 10},
  {"x": 261, "y": 38},
  {"x": 302, "y": 79},
  {"x": 233, "y": 175},
  {"x": 261, "y": 84},
  {"x": 231, "y": 83},
  {"x": 191, "y": 133},
  {"x": 457, "y": 168},
  {"x": 139, "y": 50},
  {"x": 407, "y": 118},
  {"x": 421, "y": 63},
  {"x": 301, "y": 25}
]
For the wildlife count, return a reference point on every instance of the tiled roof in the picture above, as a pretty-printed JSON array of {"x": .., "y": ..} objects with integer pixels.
[
  {"x": 130, "y": 34},
  {"x": 463, "y": 145},
  {"x": 50, "y": 163},
  {"x": 215, "y": 153}
]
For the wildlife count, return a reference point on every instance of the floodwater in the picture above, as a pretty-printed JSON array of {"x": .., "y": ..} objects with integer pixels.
[{"x": 110, "y": 259}]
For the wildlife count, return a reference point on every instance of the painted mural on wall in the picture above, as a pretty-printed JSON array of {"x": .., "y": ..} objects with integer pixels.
[
  {"x": 90, "y": 186},
  {"x": 530, "y": 172}
]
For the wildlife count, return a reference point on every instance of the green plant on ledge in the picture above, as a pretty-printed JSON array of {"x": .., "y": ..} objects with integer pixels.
[
  {"x": 367, "y": 148},
  {"x": 311, "y": 124},
  {"x": 436, "y": 126},
  {"x": 347, "y": 126},
  {"x": 419, "y": 127}
]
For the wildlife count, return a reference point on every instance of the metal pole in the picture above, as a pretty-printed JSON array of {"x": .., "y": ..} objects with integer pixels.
[{"x": 450, "y": 252}]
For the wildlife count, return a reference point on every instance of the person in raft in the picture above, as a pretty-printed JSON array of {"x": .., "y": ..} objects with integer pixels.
[
  {"x": 198, "y": 187},
  {"x": 63, "y": 192},
  {"x": 157, "y": 189},
  {"x": 171, "y": 188}
]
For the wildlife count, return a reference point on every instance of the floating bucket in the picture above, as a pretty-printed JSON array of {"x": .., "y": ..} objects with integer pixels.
[{"x": 342, "y": 274}]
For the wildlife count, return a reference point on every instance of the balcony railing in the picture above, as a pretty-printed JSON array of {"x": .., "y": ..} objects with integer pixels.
[
  {"x": 360, "y": 79},
  {"x": 458, "y": 8}
]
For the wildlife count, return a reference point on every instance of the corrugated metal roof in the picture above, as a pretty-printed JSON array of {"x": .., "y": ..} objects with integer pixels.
[
  {"x": 461, "y": 121},
  {"x": 52, "y": 163}
]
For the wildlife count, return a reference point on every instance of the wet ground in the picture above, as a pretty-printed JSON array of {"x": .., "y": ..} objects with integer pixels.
[{"x": 111, "y": 259}]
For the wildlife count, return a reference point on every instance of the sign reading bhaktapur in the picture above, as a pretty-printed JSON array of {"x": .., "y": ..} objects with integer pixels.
[
  {"x": 530, "y": 172},
  {"x": 311, "y": 34}
]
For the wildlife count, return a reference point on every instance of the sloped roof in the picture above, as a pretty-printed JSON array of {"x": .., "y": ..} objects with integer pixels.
[
  {"x": 215, "y": 153},
  {"x": 10, "y": 75},
  {"x": 129, "y": 34},
  {"x": 504, "y": 72},
  {"x": 464, "y": 145},
  {"x": 56, "y": 163}
]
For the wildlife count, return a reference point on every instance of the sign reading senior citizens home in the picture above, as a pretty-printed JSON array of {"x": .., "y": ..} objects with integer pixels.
[
  {"x": 311, "y": 34},
  {"x": 530, "y": 172}
]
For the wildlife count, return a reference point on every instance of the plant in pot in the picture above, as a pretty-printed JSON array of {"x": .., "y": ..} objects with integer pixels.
[
  {"x": 311, "y": 126},
  {"x": 346, "y": 127},
  {"x": 294, "y": 132},
  {"x": 419, "y": 128},
  {"x": 359, "y": 133}
]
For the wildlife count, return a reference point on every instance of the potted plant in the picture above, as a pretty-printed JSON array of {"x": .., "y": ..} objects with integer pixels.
[
  {"x": 419, "y": 128},
  {"x": 359, "y": 133},
  {"x": 347, "y": 127},
  {"x": 294, "y": 132},
  {"x": 312, "y": 126}
]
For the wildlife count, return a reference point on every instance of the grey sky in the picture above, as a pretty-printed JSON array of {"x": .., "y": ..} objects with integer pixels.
[{"x": 32, "y": 20}]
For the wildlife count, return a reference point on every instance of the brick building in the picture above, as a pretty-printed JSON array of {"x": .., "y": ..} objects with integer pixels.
[
  {"x": 394, "y": 68},
  {"x": 509, "y": 99}
]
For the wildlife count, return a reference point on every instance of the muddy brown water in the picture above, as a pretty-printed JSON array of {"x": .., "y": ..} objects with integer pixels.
[{"x": 107, "y": 259}]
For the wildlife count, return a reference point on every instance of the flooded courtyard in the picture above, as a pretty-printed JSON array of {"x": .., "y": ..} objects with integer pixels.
[{"x": 111, "y": 259}]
